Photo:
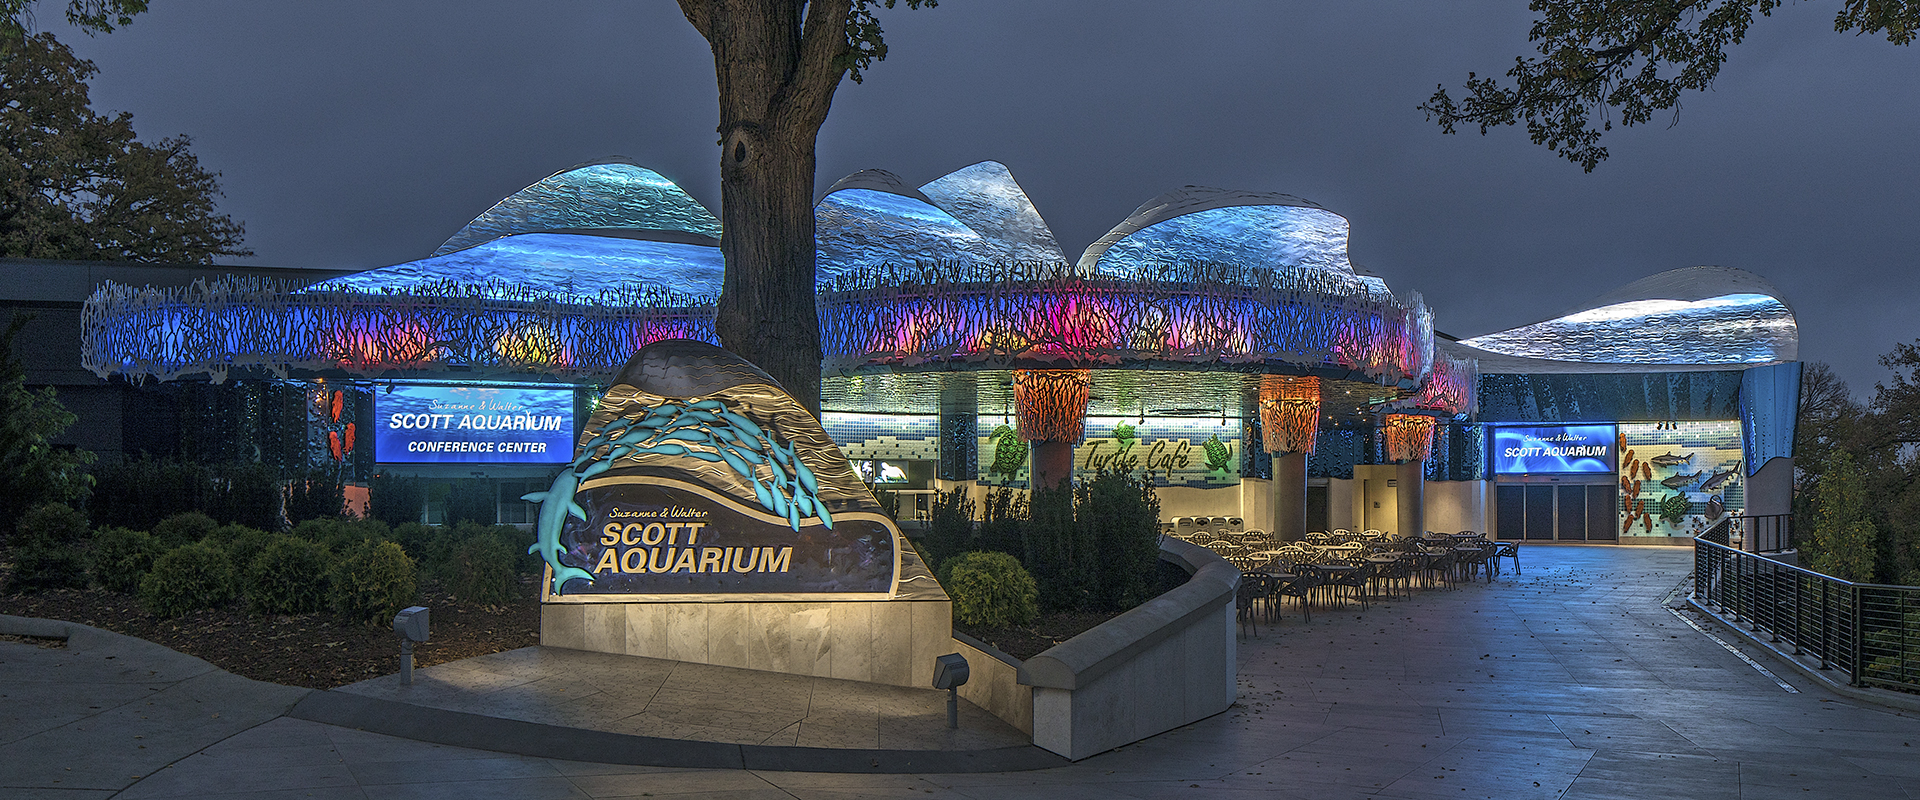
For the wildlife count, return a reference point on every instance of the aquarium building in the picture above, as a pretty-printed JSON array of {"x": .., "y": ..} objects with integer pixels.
[{"x": 1218, "y": 343}]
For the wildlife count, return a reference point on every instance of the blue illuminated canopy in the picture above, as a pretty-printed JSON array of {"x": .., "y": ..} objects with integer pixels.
[
  {"x": 869, "y": 219},
  {"x": 565, "y": 264},
  {"x": 1690, "y": 316},
  {"x": 612, "y": 194},
  {"x": 987, "y": 199}
]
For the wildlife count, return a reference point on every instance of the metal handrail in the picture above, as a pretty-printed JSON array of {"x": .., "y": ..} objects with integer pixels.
[
  {"x": 1765, "y": 533},
  {"x": 1870, "y": 631}
]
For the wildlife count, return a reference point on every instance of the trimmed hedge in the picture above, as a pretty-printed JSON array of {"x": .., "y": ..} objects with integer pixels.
[
  {"x": 482, "y": 569},
  {"x": 52, "y": 552},
  {"x": 290, "y": 576},
  {"x": 188, "y": 578},
  {"x": 991, "y": 590},
  {"x": 184, "y": 528},
  {"x": 123, "y": 557},
  {"x": 242, "y": 543},
  {"x": 53, "y": 524},
  {"x": 372, "y": 581}
]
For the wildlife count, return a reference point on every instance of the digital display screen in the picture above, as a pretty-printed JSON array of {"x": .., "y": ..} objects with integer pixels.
[
  {"x": 1554, "y": 448},
  {"x": 422, "y": 424},
  {"x": 881, "y": 471}
]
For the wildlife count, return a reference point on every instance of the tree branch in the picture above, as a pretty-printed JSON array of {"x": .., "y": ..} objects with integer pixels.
[{"x": 700, "y": 14}]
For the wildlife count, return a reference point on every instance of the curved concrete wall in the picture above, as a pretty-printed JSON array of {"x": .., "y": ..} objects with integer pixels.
[{"x": 1164, "y": 664}]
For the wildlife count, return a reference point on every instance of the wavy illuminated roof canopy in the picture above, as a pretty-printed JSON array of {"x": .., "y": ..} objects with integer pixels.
[
  {"x": 1204, "y": 224},
  {"x": 1691, "y": 316},
  {"x": 871, "y": 218},
  {"x": 567, "y": 264},
  {"x": 613, "y": 193},
  {"x": 987, "y": 199}
]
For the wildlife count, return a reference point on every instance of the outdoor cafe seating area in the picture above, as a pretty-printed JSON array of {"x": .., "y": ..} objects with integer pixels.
[{"x": 1335, "y": 568}]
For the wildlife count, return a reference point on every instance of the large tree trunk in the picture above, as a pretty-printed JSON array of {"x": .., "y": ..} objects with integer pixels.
[
  {"x": 767, "y": 313},
  {"x": 777, "y": 63}
]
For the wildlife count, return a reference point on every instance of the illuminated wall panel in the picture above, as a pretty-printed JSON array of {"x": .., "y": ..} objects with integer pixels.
[{"x": 1673, "y": 474}]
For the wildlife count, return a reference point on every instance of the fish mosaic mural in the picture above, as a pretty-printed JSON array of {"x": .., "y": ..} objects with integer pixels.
[
  {"x": 1677, "y": 477},
  {"x": 698, "y": 475},
  {"x": 1670, "y": 460}
]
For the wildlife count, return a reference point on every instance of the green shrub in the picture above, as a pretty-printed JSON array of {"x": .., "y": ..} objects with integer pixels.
[
  {"x": 289, "y": 577},
  {"x": 482, "y": 569},
  {"x": 184, "y": 528},
  {"x": 122, "y": 557},
  {"x": 317, "y": 495},
  {"x": 242, "y": 543},
  {"x": 372, "y": 581},
  {"x": 52, "y": 524},
  {"x": 396, "y": 500},
  {"x": 250, "y": 495},
  {"x": 472, "y": 500},
  {"x": 416, "y": 539},
  {"x": 188, "y": 578},
  {"x": 340, "y": 535},
  {"x": 1061, "y": 554},
  {"x": 991, "y": 590},
  {"x": 138, "y": 494},
  {"x": 42, "y": 564},
  {"x": 1121, "y": 516}
]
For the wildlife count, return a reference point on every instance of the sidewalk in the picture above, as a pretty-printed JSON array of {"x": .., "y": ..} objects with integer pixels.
[
  {"x": 1570, "y": 681},
  {"x": 105, "y": 711}
]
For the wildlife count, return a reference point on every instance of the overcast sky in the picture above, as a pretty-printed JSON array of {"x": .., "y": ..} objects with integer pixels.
[{"x": 361, "y": 134}]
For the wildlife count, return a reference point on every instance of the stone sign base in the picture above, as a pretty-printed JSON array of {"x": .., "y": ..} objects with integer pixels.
[{"x": 888, "y": 641}]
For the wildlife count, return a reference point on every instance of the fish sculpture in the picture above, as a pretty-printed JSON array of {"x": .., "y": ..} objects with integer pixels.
[
  {"x": 705, "y": 430},
  {"x": 556, "y": 504},
  {"x": 1679, "y": 481},
  {"x": 1720, "y": 478},
  {"x": 1670, "y": 460}
]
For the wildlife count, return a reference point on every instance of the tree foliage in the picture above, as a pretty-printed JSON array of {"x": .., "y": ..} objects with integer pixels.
[
  {"x": 1627, "y": 59},
  {"x": 1844, "y": 539},
  {"x": 75, "y": 184},
  {"x": 778, "y": 63},
  {"x": 33, "y": 470},
  {"x": 90, "y": 16}
]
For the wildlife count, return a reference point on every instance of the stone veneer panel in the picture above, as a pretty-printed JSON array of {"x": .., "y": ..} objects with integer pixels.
[{"x": 891, "y": 642}]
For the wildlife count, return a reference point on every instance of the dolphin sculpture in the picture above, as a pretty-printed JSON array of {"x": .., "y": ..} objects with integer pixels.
[{"x": 556, "y": 503}]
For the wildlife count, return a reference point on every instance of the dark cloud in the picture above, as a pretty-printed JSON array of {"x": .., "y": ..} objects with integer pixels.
[{"x": 364, "y": 134}]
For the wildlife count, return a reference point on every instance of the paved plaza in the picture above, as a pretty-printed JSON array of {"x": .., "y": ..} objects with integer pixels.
[{"x": 1573, "y": 680}]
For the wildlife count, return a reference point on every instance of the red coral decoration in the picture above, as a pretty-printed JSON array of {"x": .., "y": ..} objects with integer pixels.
[
  {"x": 1409, "y": 436},
  {"x": 1051, "y": 404},
  {"x": 1289, "y": 413}
]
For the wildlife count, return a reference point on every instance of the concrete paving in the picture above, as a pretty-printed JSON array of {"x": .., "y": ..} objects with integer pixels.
[
  {"x": 1572, "y": 681},
  {"x": 698, "y": 702}
]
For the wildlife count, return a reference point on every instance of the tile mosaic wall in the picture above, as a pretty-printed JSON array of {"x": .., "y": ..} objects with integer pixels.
[
  {"x": 886, "y": 437},
  {"x": 1174, "y": 451},
  {"x": 1681, "y": 471}
]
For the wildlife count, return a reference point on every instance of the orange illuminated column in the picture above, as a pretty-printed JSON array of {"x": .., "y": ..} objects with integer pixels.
[
  {"x": 1052, "y": 409},
  {"x": 1289, "y": 426},
  {"x": 1409, "y": 440}
]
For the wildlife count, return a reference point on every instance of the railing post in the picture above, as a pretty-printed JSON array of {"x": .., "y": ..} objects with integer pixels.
[
  {"x": 1859, "y": 641},
  {"x": 1826, "y": 616}
]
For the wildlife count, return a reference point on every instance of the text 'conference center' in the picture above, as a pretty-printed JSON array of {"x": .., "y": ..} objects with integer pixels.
[{"x": 1216, "y": 342}]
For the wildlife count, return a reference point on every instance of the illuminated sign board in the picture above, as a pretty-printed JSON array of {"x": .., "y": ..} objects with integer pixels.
[
  {"x": 433, "y": 424},
  {"x": 1553, "y": 448},
  {"x": 697, "y": 476}
]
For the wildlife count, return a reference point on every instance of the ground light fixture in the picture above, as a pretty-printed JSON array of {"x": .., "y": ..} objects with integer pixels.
[
  {"x": 411, "y": 624},
  {"x": 949, "y": 673}
]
